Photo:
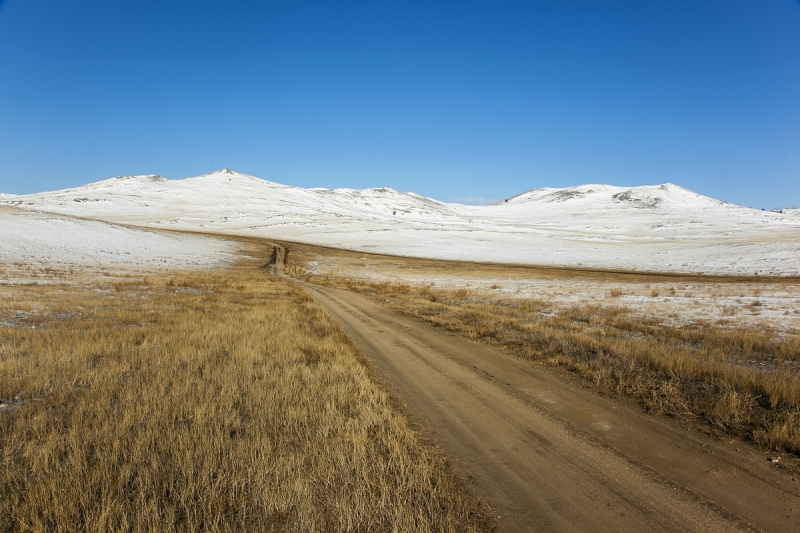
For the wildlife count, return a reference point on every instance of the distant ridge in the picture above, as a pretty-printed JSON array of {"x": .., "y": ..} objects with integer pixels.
[{"x": 663, "y": 228}]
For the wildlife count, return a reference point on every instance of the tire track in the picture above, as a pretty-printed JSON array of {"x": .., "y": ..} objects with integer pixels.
[{"x": 549, "y": 455}]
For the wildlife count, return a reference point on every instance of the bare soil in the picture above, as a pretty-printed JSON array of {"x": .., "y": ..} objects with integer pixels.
[{"x": 549, "y": 454}]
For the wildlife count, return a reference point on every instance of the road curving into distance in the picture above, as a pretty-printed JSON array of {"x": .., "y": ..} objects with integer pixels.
[{"x": 550, "y": 455}]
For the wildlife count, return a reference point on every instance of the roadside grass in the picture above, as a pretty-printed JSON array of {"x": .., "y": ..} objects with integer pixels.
[
  {"x": 755, "y": 302},
  {"x": 204, "y": 401},
  {"x": 740, "y": 381}
]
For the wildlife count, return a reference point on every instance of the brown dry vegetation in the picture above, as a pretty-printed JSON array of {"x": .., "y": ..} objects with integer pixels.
[
  {"x": 216, "y": 401},
  {"x": 683, "y": 299},
  {"x": 743, "y": 382}
]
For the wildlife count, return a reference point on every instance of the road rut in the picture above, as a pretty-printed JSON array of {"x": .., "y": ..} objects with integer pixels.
[{"x": 550, "y": 455}]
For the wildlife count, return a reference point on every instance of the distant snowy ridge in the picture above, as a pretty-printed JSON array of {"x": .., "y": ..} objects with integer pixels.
[{"x": 651, "y": 228}]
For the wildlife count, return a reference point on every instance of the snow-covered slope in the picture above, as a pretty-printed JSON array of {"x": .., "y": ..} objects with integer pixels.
[
  {"x": 32, "y": 240},
  {"x": 653, "y": 228}
]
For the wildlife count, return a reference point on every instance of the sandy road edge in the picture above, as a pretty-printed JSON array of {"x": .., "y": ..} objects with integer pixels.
[{"x": 737, "y": 483}]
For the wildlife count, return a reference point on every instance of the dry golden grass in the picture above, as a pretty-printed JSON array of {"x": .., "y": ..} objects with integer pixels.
[
  {"x": 744, "y": 382},
  {"x": 217, "y": 401},
  {"x": 683, "y": 299}
]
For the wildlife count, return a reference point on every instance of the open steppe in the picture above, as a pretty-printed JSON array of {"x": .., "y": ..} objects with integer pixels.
[
  {"x": 556, "y": 409},
  {"x": 202, "y": 400},
  {"x": 318, "y": 389},
  {"x": 766, "y": 303},
  {"x": 723, "y": 350}
]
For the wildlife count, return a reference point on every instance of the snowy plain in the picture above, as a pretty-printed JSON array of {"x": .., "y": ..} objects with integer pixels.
[
  {"x": 661, "y": 228},
  {"x": 32, "y": 241}
]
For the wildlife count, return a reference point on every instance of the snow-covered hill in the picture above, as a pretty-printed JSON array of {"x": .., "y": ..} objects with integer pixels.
[
  {"x": 35, "y": 240},
  {"x": 652, "y": 228}
]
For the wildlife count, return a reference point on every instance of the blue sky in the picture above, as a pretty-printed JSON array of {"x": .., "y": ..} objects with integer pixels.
[{"x": 447, "y": 99}]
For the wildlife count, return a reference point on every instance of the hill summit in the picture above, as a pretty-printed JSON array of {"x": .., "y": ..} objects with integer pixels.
[{"x": 652, "y": 228}]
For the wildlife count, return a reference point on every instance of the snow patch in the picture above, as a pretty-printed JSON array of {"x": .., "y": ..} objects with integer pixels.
[{"x": 34, "y": 239}]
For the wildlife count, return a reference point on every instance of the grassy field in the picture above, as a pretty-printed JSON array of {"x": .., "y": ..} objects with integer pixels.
[
  {"x": 204, "y": 401},
  {"x": 755, "y": 302},
  {"x": 736, "y": 379}
]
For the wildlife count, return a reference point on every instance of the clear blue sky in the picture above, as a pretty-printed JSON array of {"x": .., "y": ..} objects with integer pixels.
[{"x": 447, "y": 99}]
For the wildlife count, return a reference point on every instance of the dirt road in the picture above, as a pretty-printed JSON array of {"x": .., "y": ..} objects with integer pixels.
[{"x": 550, "y": 455}]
